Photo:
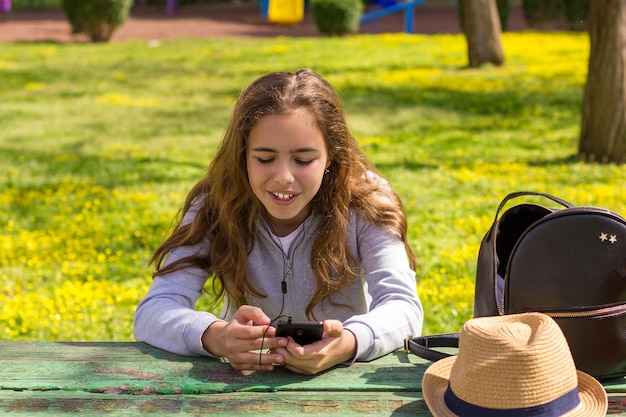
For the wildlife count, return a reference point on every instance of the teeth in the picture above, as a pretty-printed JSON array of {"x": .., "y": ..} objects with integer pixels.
[{"x": 282, "y": 196}]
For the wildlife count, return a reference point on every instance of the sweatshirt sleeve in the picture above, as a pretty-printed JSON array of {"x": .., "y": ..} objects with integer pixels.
[
  {"x": 166, "y": 318},
  {"x": 395, "y": 310}
]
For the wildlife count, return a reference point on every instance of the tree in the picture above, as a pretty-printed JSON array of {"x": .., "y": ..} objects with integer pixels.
[
  {"x": 481, "y": 25},
  {"x": 603, "y": 127}
]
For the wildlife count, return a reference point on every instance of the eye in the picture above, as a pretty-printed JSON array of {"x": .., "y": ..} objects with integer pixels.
[
  {"x": 304, "y": 162},
  {"x": 265, "y": 160}
]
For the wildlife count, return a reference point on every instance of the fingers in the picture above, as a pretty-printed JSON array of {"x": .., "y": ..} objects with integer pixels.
[
  {"x": 249, "y": 335},
  {"x": 294, "y": 353},
  {"x": 251, "y": 355},
  {"x": 248, "y": 315},
  {"x": 338, "y": 345},
  {"x": 333, "y": 328},
  {"x": 245, "y": 338},
  {"x": 256, "y": 361}
]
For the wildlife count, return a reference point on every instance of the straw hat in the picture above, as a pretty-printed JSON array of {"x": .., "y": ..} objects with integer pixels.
[{"x": 512, "y": 365}]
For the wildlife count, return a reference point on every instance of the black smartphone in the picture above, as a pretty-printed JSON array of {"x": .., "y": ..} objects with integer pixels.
[{"x": 303, "y": 332}]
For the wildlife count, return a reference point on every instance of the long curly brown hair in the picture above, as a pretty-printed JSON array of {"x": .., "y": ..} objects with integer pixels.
[{"x": 228, "y": 207}]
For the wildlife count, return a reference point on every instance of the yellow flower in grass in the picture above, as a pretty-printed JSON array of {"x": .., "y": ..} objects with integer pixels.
[
  {"x": 33, "y": 86},
  {"x": 70, "y": 310},
  {"x": 8, "y": 65},
  {"x": 121, "y": 100},
  {"x": 277, "y": 49},
  {"x": 120, "y": 76},
  {"x": 373, "y": 142}
]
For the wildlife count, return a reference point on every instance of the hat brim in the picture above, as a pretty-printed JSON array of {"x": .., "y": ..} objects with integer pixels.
[{"x": 593, "y": 399}]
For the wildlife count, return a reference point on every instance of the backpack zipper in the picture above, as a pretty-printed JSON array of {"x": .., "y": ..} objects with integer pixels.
[{"x": 619, "y": 309}]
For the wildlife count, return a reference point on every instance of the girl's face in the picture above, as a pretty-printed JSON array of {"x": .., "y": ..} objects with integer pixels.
[{"x": 286, "y": 158}]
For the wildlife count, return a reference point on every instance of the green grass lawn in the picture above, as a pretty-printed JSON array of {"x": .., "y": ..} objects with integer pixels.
[{"x": 99, "y": 144}]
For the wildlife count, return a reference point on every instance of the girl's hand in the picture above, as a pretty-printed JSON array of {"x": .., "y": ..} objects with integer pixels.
[
  {"x": 338, "y": 345},
  {"x": 244, "y": 333}
]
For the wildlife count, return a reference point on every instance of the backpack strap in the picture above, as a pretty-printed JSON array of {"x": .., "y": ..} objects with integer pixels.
[
  {"x": 422, "y": 345},
  {"x": 517, "y": 194}
]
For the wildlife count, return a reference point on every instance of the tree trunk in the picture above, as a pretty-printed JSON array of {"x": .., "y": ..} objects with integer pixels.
[
  {"x": 481, "y": 25},
  {"x": 603, "y": 129}
]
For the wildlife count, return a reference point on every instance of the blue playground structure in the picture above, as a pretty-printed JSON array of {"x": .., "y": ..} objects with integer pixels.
[
  {"x": 392, "y": 6},
  {"x": 383, "y": 8}
]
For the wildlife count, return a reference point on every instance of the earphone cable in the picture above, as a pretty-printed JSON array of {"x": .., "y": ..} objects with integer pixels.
[{"x": 287, "y": 269}]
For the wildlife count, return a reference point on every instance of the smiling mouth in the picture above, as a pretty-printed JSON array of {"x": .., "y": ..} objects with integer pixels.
[{"x": 283, "y": 197}]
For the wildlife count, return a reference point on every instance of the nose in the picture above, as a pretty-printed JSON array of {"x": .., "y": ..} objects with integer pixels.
[{"x": 283, "y": 174}]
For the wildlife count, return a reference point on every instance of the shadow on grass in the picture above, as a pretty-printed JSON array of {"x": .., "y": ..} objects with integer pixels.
[
  {"x": 55, "y": 167},
  {"x": 566, "y": 160},
  {"x": 407, "y": 165},
  {"x": 451, "y": 126},
  {"x": 506, "y": 103}
]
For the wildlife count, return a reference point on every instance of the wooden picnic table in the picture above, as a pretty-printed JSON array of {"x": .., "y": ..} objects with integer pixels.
[{"x": 130, "y": 379}]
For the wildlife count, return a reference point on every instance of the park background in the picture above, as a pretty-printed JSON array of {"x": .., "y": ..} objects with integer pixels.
[{"x": 100, "y": 143}]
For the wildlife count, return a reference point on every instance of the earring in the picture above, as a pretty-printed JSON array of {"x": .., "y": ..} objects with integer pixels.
[{"x": 326, "y": 172}]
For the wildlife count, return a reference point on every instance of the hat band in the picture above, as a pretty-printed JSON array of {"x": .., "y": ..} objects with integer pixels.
[{"x": 554, "y": 408}]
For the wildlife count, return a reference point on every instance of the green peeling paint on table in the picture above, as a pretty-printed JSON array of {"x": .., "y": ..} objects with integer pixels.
[{"x": 128, "y": 379}]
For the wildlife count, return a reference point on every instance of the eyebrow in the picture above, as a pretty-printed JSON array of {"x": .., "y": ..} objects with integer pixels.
[{"x": 298, "y": 150}]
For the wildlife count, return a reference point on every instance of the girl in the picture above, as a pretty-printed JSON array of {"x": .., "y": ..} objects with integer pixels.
[{"x": 291, "y": 220}]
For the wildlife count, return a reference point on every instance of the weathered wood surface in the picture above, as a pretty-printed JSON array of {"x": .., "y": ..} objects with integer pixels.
[
  {"x": 249, "y": 404},
  {"x": 128, "y": 379},
  {"x": 135, "y": 368}
]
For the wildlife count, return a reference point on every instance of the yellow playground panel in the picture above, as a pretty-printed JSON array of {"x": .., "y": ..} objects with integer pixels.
[{"x": 285, "y": 12}]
